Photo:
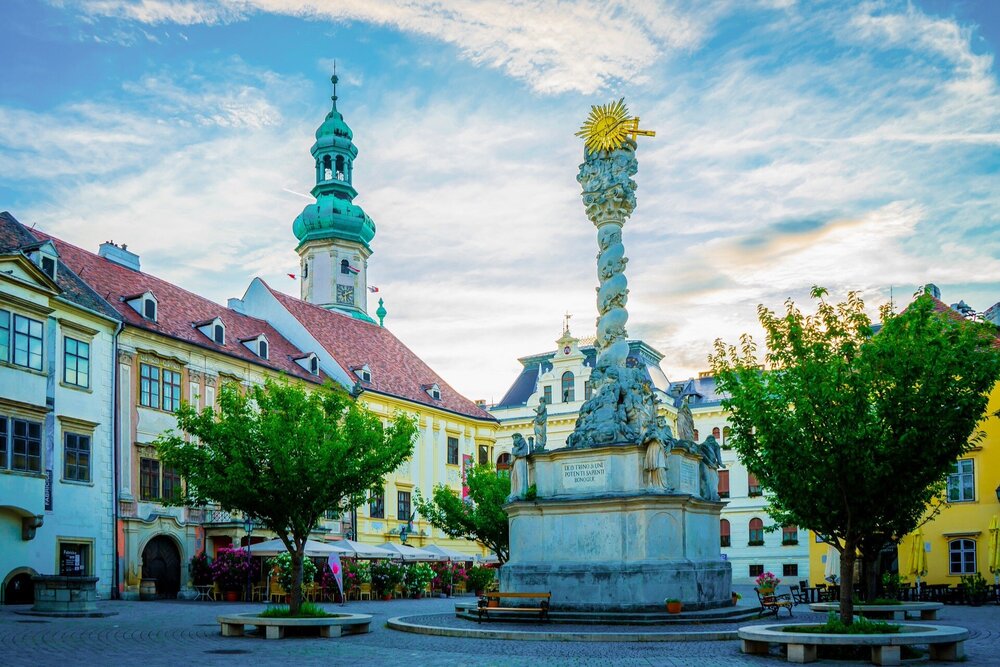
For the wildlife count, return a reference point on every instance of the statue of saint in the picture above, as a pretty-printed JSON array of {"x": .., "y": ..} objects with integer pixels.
[
  {"x": 711, "y": 460},
  {"x": 685, "y": 421},
  {"x": 541, "y": 424},
  {"x": 518, "y": 468},
  {"x": 656, "y": 465}
]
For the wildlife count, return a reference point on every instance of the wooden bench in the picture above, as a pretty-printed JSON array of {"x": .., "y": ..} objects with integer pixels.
[
  {"x": 772, "y": 604},
  {"x": 484, "y": 609}
]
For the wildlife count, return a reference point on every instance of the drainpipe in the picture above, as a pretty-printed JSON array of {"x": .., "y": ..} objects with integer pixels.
[{"x": 116, "y": 464}]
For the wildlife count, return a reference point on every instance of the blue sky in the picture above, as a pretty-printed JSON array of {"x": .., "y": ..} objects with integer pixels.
[{"x": 851, "y": 145}]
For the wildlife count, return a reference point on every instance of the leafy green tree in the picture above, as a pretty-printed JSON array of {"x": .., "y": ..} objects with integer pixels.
[
  {"x": 481, "y": 518},
  {"x": 853, "y": 432},
  {"x": 284, "y": 455}
]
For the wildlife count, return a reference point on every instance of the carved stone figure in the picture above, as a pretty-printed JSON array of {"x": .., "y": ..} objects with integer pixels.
[
  {"x": 711, "y": 460},
  {"x": 518, "y": 468},
  {"x": 656, "y": 465},
  {"x": 541, "y": 424},
  {"x": 685, "y": 421}
]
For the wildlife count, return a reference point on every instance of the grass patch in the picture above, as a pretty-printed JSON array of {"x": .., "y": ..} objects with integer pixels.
[
  {"x": 307, "y": 610},
  {"x": 834, "y": 626}
]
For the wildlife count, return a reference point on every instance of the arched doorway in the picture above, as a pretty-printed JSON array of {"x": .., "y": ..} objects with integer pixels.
[
  {"x": 19, "y": 589},
  {"x": 162, "y": 561}
]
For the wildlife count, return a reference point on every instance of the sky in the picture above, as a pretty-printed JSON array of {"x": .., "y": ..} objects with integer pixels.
[{"x": 854, "y": 146}]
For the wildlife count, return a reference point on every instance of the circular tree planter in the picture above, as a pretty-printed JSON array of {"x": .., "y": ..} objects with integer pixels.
[
  {"x": 274, "y": 628},
  {"x": 944, "y": 642},
  {"x": 900, "y": 612}
]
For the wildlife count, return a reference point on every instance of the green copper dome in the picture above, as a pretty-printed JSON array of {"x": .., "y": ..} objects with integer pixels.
[{"x": 334, "y": 215}]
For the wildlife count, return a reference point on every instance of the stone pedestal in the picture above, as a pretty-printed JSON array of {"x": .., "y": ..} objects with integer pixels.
[
  {"x": 599, "y": 539},
  {"x": 55, "y": 594}
]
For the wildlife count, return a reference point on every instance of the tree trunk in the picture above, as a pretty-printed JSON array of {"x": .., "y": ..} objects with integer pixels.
[
  {"x": 847, "y": 558},
  {"x": 296, "y": 591},
  {"x": 870, "y": 575}
]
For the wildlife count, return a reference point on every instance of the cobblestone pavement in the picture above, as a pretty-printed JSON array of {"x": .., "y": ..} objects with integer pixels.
[{"x": 185, "y": 633}]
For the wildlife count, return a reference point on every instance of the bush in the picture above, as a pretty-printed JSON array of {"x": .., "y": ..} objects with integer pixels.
[
  {"x": 283, "y": 564},
  {"x": 385, "y": 577},
  {"x": 416, "y": 577},
  {"x": 481, "y": 578},
  {"x": 356, "y": 573},
  {"x": 447, "y": 575},
  {"x": 307, "y": 610},
  {"x": 231, "y": 568},
  {"x": 200, "y": 569},
  {"x": 834, "y": 626}
]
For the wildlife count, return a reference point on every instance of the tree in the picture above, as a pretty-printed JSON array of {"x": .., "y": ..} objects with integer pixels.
[
  {"x": 851, "y": 431},
  {"x": 481, "y": 518},
  {"x": 284, "y": 456}
]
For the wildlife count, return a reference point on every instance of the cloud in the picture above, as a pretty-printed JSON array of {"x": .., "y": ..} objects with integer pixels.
[{"x": 534, "y": 40}]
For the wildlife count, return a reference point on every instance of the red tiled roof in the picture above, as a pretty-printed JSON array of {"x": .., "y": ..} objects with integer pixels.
[
  {"x": 396, "y": 370},
  {"x": 178, "y": 310}
]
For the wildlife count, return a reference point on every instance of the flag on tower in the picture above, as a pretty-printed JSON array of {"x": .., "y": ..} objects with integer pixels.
[
  {"x": 353, "y": 269},
  {"x": 291, "y": 275},
  {"x": 372, "y": 289}
]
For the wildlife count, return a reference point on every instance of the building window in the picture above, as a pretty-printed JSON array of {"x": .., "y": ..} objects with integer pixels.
[
  {"x": 790, "y": 570},
  {"x": 547, "y": 394},
  {"x": 403, "y": 505},
  {"x": 262, "y": 349},
  {"x": 724, "y": 533},
  {"x": 726, "y": 432},
  {"x": 756, "y": 533},
  {"x": 76, "y": 362},
  {"x": 76, "y": 457},
  {"x": 74, "y": 559},
  {"x": 149, "y": 386},
  {"x": 452, "y": 451},
  {"x": 588, "y": 390},
  {"x": 961, "y": 484},
  {"x": 484, "y": 455},
  {"x": 345, "y": 267},
  {"x": 503, "y": 461},
  {"x": 3, "y": 443},
  {"x": 314, "y": 366},
  {"x": 219, "y": 334},
  {"x": 568, "y": 387},
  {"x": 171, "y": 483},
  {"x": 171, "y": 390},
  {"x": 723, "y": 483},
  {"x": 149, "y": 479},
  {"x": 49, "y": 267},
  {"x": 149, "y": 309},
  {"x": 4, "y": 335},
  {"x": 376, "y": 506},
  {"x": 27, "y": 342},
  {"x": 25, "y": 445},
  {"x": 756, "y": 570},
  {"x": 789, "y": 535},
  {"x": 753, "y": 486},
  {"x": 962, "y": 556}
]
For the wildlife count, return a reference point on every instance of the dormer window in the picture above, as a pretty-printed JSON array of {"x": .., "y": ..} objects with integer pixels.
[
  {"x": 310, "y": 362},
  {"x": 49, "y": 266},
  {"x": 214, "y": 329},
  {"x": 363, "y": 372},
  {"x": 44, "y": 256},
  {"x": 433, "y": 390},
  {"x": 145, "y": 304},
  {"x": 258, "y": 345}
]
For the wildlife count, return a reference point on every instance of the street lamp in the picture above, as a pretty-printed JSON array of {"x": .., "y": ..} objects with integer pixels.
[{"x": 248, "y": 526}]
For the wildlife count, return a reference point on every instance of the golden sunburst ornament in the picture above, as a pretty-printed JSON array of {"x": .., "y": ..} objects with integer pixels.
[{"x": 609, "y": 125}]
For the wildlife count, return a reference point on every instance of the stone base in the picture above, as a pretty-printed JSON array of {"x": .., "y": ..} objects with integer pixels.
[
  {"x": 59, "y": 594},
  {"x": 623, "y": 587}
]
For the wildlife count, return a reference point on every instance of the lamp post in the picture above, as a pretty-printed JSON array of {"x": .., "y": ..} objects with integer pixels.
[{"x": 248, "y": 526}]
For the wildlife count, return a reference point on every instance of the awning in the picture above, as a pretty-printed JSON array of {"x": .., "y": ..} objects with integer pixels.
[
  {"x": 314, "y": 549},
  {"x": 447, "y": 554},
  {"x": 361, "y": 550},
  {"x": 408, "y": 553}
]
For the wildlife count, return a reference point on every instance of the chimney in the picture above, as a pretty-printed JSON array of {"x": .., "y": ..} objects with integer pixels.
[
  {"x": 933, "y": 290},
  {"x": 119, "y": 255}
]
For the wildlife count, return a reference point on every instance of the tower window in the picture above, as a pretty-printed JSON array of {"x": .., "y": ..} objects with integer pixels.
[
  {"x": 219, "y": 334},
  {"x": 568, "y": 388},
  {"x": 327, "y": 168},
  {"x": 345, "y": 267},
  {"x": 305, "y": 270},
  {"x": 340, "y": 167}
]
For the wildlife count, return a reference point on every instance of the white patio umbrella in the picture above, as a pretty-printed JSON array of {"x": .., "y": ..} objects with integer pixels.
[
  {"x": 832, "y": 570},
  {"x": 359, "y": 550},
  {"x": 492, "y": 558},
  {"x": 447, "y": 554},
  {"x": 314, "y": 549},
  {"x": 408, "y": 553}
]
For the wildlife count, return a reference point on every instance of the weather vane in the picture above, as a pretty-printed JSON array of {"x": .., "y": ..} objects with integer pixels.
[{"x": 609, "y": 125}]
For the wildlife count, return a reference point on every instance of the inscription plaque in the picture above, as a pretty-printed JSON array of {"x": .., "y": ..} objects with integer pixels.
[
  {"x": 584, "y": 475},
  {"x": 689, "y": 476}
]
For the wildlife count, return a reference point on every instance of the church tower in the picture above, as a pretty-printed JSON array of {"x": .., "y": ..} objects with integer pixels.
[{"x": 334, "y": 233}]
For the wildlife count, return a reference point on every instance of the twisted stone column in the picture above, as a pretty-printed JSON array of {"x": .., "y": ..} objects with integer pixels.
[{"x": 609, "y": 198}]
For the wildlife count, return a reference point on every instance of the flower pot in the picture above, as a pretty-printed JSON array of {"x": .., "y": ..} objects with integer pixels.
[
  {"x": 232, "y": 596},
  {"x": 386, "y": 597},
  {"x": 764, "y": 590},
  {"x": 674, "y": 607},
  {"x": 736, "y": 600},
  {"x": 493, "y": 603}
]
